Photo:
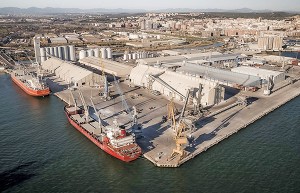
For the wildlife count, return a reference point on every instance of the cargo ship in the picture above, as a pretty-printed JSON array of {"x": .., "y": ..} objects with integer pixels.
[
  {"x": 114, "y": 140},
  {"x": 30, "y": 83}
]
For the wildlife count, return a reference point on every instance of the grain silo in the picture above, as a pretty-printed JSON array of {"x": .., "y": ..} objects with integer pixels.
[
  {"x": 43, "y": 54},
  {"x": 90, "y": 53},
  {"x": 72, "y": 53},
  {"x": 66, "y": 53},
  {"x": 82, "y": 54},
  {"x": 103, "y": 53},
  {"x": 97, "y": 53},
  {"x": 109, "y": 53}
]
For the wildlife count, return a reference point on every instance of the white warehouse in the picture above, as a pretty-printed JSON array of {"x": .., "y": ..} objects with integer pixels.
[
  {"x": 262, "y": 73},
  {"x": 174, "y": 84},
  {"x": 71, "y": 73}
]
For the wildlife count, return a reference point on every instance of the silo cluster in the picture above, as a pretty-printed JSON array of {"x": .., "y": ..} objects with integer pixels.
[
  {"x": 104, "y": 53},
  {"x": 137, "y": 55},
  {"x": 62, "y": 52}
]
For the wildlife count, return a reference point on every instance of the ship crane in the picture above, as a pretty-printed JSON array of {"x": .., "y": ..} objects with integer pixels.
[
  {"x": 98, "y": 116},
  {"x": 104, "y": 78},
  {"x": 124, "y": 103},
  {"x": 133, "y": 118},
  {"x": 86, "y": 112},
  {"x": 75, "y": 103}
]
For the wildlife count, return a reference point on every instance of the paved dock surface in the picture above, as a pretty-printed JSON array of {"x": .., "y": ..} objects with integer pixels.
[
  {"x": 213, "y": 130},
  {"x": 157, "y": 140}
]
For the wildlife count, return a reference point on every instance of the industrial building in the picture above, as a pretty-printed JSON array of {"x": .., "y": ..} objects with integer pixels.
[
  {"x": 224, "y": 77},
  {"x": 70, "y": 73},
  {"x": 208, "y": 58},
  {"x": 175, "y": 85},
  {"x": 109, "y": 66},
  {"x": 262, "y": 73}
]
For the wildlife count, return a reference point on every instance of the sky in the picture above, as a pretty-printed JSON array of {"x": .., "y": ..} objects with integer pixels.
[{"x": 276, "y": 5}]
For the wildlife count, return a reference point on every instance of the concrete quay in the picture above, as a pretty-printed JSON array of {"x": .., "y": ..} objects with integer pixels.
[{"x": 213, "y": 130}]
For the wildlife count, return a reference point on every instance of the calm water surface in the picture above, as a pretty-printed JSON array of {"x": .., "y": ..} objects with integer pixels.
[{"x": 41, "y": 152}]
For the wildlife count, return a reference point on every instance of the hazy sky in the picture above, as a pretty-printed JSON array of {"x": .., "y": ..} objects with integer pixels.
[{"x": 157, "y": 4}]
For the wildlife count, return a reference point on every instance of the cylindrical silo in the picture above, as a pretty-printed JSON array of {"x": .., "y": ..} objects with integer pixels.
[
  {"x": 61, "y": 52},
  {"x": 144, "y": 54},
  {"x": 90, "y": 53},
  {"x": 97, "y": 53},
  {"x": 48, "y": 52},
  {"x": 72, "y": 53},
  {"x": 82, "y": 54},
  {"x": 43, "y": 54},
  {"x": 56, "y": 52},
  {"x": 103, "y": 53},
  {"x": 52, "y": 51},
  {"x": 125, "y": 57},
  {"x": 129, "y": 56},
  {"x": 134, "y": 56},
  {"x": 109, "y": 53},
  {"x": 66, "y": 53}
]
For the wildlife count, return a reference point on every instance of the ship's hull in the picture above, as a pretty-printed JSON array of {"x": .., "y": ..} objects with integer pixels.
[
  {"x": 30, "y": 91},
  {"x": 104, "y": 146}
]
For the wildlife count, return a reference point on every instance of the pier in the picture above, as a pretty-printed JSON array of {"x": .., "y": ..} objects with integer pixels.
[{"x": 221, "y": 126}]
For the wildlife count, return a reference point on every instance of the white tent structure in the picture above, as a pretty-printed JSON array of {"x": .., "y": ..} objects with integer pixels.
[
  {"x": 71, "y": 73},
  {"x": 166, "y": 79}
]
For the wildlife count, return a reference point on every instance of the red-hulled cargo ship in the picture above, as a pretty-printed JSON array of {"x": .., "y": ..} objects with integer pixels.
[
  {"x": 30, "y": 84},
  {"x": 113, "y": 140}
]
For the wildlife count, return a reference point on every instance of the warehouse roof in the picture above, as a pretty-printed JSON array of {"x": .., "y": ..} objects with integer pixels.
[
  {"x": 65, "y": 70},
  {"x": 223, "y": 76},
  {"x": 255, "y": 71},
  {"x": 111, "y": 67}
]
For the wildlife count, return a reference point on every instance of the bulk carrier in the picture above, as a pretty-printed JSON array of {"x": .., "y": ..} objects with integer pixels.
[
  {"x": 30, "y": 83},
  {"x": 113, "y": 139}
]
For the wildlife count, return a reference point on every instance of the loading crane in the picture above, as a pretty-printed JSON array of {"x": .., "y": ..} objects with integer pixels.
[
  {"x": 179, "y": 128},
  {"x": 75, "y": 103},
  {"x": 86, "y": 112},
  {"x": 159, "y": 80},
  {"x": 104, "y": 78},
  {"x": 120, "y": 92},
  {"x": 98, "y": 116}
]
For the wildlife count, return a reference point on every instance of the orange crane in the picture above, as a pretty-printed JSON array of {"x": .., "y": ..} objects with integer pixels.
[{"x": 179, "y": 128}]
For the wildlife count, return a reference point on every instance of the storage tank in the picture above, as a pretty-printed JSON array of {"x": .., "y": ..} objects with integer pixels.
[
  {"x": 61, "y": 52},
  {"x": 109, "y": 53},
  {"x": 97, "y": 52},
  {"x": 52, "y": 51},
  {"x": 129, "y": 56},
  {"x": 82, "y": 54},
  {"x": 72, "y": 53},
  {"x": 48, "y": 52},
  {"x": 134, "y": 56},
  {"x": 90, "y": 53},
  {"x": 43, "y": 54},
  {"x": 103, "y": 53},
  {"x": 125, "y": 57},
  {"x": 144, "y": 55},
  {"x": 66, "y": 53},
  {"x": 56, "y": 52}
]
